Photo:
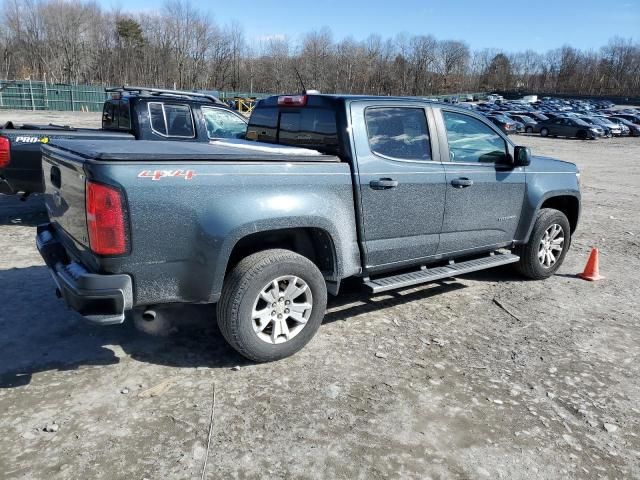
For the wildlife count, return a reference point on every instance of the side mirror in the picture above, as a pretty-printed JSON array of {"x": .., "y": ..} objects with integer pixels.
[{"x": 521, "y": 156}]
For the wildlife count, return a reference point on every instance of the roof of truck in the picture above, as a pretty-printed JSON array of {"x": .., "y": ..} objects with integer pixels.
[
  {"x": 227, "y": 149},
  {"x": 326, "y": 99}
]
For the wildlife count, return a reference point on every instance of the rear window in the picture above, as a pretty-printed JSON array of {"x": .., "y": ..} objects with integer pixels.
[
  {"x": 116, "y": 115},
  {"x": 307, "y": 127},
  {"x": 171, "y": 120}
]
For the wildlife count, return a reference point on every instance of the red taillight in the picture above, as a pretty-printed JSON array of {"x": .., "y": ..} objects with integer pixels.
[
  {"x": 5, "y": 152},
  {"x": 292, "y": 100},
  {"x": 106, "y": 220}
]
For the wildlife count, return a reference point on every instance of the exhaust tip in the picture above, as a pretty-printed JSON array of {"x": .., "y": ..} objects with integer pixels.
[{"x": 154, "y": 322}]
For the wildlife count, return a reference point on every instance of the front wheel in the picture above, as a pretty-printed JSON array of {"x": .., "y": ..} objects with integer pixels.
[
  {"x": 272, "y": 304},
  {"x": 544, "y": 132},
  {"x": 548, "y": 245},
  {"x": 528, "y": 130}
]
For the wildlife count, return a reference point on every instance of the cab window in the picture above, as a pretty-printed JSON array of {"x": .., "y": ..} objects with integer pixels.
[
  {"x": 124, "y": 115},
  {"x": 222, "y": 123},
  {"x": 471, "y": 140},
  {"x": 107, "y": 115},
  {"x": 171, "y": 120},
  {"x": 398, "y": 133},
  {"x": 156, "y": 117},
  {"x": 116, "y": 115},
  {"x": 263, "y": 125},
  {"x": 309, "y": 127}
]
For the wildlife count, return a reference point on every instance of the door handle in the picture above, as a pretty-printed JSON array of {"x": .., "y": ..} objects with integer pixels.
[
  {"x": 383, "y": 184},
  {"x": 462, "y": 182}
]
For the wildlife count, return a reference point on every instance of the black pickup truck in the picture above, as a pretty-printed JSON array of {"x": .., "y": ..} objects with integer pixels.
[
  {"x": 391, "y": 191},
  {"x": 133, "y": 113}
]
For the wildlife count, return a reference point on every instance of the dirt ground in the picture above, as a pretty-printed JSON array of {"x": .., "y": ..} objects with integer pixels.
[{"x": 431, "y": 382}]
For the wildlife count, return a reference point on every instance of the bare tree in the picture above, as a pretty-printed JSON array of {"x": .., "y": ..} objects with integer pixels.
[{"x": 180, "y": 44}]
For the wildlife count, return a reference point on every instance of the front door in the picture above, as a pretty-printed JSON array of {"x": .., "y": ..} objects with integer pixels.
[
  {"x": 401, "y": 182},
  {"x": 484, "y": 197}
]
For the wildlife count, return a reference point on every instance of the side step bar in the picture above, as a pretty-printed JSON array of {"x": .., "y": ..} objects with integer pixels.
[{"x": 430, "y": 274}]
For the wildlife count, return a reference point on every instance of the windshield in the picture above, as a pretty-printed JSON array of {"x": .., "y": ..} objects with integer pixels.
[
  {"x": 581, "y": 122},
  {"x": 223, "y": 123},
  {"x": 603, "y": 121}
]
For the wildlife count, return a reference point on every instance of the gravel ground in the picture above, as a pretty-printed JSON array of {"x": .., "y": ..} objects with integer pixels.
[
  {"x": 432, "y": 382},
  {"x": 75, "y": 119}
]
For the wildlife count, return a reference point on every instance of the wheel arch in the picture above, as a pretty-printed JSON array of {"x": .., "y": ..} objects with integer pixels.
[
  {"x": 313, "y": 242},
  {"x": 567, "y": 202}
]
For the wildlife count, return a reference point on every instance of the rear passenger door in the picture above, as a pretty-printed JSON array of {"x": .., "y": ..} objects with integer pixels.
[
  {"x": 484, "y": 196},
  {"x": 401, "y": 182}
]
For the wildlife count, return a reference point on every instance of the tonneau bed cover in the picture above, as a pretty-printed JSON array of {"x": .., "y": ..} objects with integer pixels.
[{"x": 217, "y": 150}]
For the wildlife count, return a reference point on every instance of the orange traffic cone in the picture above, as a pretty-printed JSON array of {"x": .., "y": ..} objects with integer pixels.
[{"x": 591, "y": 270}]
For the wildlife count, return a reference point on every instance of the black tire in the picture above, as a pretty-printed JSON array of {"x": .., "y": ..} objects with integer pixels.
[
  {"x": 243, "y": 286},
  {"x": 528, "y": 130},
  {"x": 581, "y": 135},
  {"x": 544, "y": 132},
  {"x": 529, "y": 265}
]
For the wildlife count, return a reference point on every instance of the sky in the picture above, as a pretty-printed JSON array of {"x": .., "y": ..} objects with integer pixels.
[{"x": 513, "y": 25}]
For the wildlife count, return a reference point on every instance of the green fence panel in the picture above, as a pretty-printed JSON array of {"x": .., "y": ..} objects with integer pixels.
[{"x": 26, "y": 95}]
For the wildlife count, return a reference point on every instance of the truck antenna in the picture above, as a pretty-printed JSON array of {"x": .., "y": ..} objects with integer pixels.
[{"x": 304, "y": 90}]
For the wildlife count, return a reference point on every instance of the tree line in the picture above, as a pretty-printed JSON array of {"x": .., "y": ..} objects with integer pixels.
[{"x": 180, "y": 45}]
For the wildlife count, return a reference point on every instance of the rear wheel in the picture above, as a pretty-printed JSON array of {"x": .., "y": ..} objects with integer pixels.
[
  {"x": 272, "y": 304},
  {"x": 548, "y": 245},
  {"x": 544, "y": 132}
]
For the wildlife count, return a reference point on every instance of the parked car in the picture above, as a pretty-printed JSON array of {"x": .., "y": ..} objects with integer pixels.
[
  {"x": 519, "y": 126},
  {"x": 629, "y": 117},
  {"x": 568, "y": 127},
  {"x": 507, "y": 125},
  {"x": 537, "y": 116},
  {"x": 552, "y": 115},
  {"x": 633, "y": 128},
  {"x": 527, "y": 122},
  {"x": 613, "y": 128},
  {"x": 606, "y": 132},
  {"x": 239, "y": 223},
  {"x": 134, "y": 113}
]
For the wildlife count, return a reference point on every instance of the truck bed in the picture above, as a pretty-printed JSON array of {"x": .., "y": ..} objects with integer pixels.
[
  {"x": 188, "y": 204},
  {"x": 218, "y": 150}
]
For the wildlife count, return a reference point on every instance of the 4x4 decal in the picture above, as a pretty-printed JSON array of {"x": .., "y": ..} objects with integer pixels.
[{"x": 158, "y": 174}]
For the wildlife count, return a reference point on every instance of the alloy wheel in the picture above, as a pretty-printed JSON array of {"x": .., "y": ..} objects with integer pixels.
[
  {"x": 282, "y": 309},
  {"x": 551, "y": 246}
]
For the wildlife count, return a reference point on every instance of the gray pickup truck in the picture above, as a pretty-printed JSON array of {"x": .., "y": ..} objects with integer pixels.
[{"x": 392, "y": 191}]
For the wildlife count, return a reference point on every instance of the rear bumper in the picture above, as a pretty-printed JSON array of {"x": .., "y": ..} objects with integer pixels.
[{"x": 101, "y": 299}]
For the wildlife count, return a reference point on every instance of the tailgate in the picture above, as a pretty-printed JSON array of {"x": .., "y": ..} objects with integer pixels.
[{"x": 64, "y": 182}]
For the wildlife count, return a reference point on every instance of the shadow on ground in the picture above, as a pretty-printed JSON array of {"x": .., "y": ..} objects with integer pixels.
[
  {"x": 29, "y": 212},
  {"x": 38, "y": 333}
]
